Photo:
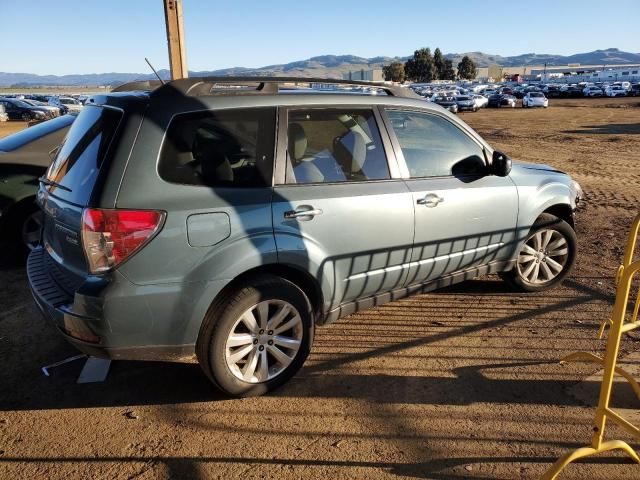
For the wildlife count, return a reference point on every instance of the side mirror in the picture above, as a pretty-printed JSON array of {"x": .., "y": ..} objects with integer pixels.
[{"x": 500, "y": 164}]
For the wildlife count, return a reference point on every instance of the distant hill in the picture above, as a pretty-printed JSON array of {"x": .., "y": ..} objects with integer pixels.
[{"x": 325, "y": 66}]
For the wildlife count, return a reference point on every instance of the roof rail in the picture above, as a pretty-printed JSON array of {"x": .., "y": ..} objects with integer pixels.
[
  {"x": 199, "y": 86},
  {"x": 137, "y": 85}
]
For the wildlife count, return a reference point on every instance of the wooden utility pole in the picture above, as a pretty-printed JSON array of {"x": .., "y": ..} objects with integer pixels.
[{"x": 175, "y": 39}]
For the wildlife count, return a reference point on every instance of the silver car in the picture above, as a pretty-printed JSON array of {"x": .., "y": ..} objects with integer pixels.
[
  {"x": 466, "y": 103},
  {"x": 223, "y": 219}
]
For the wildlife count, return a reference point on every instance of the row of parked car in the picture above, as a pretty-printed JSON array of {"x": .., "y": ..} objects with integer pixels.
[
  {"x": 502, "y": 98},
  {"x": 552, "y": 90},
  {"x": 30, "y": 108}
]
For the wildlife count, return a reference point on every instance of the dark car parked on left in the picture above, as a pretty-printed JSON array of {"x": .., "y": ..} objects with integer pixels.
[
  {"x": 24, "y": 158},
  {"x": 500, "y": 100},
  {"x": 19, "y": 110}
]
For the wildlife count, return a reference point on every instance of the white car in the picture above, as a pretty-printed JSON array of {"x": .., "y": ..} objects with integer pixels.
[
  {"x": 592, "y": 92},
  {"x": 615, "y": 91},
  {"x": 480, "y": 100},
  {"x": 535, "y": 99},
  {"x": 71, "y": 104}
]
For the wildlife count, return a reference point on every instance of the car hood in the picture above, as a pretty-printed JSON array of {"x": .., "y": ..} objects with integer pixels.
[
  {"x": 25, "y": 157},
  {"x": 533, "y": 168}
]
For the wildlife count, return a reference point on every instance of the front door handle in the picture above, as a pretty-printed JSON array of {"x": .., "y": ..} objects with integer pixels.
[
  {"x": 430, "y": 200},
  {"x": 303, "y": 211}
]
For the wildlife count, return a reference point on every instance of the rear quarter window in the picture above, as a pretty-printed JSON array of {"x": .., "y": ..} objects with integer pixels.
[{"x": 223, "y": 148}]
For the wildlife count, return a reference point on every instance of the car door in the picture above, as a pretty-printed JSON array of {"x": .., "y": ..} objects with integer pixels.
[
  {"x": 341, "y": 212},
  {"x": 464, "y": 216}
]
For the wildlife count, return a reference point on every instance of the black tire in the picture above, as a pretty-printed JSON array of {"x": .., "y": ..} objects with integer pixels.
[
  {"x": 223, "y": 316},
  {"x": 26, "y": 117},
  {"x": 15, "y": 250},
  {"x": 546, "y": 221}
]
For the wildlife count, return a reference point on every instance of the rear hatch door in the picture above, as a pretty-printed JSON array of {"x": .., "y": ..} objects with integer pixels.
[{"x": 72, "y": 180}]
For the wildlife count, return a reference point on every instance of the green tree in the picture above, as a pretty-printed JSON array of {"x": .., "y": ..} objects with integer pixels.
[
  {"x": 466, "y": 68},
  {"x": 420, "y": 67},
  {"x": 394, "y": 72},
  {"x": 448, "y": 73},
  {"x": 438, "y": 64}
]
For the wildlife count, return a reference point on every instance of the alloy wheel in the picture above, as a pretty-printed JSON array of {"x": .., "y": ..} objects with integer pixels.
[
  {"x": 264, "y": 341},
  {"x": 543, "y": 256}
]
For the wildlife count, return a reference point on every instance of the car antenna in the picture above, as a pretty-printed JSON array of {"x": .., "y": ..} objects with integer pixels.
[{"x": 154, "y": 70}]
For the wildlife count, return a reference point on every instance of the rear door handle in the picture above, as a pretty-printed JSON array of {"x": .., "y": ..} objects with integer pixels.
[
  {"x": 302, "y": 212},
  {"x": 430, "y": 200}
]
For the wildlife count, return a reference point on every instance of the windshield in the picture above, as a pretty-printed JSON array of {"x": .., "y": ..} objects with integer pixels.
[
  {"x": 28, "y": 135},
  {"x": 81, "y": 154},
  {"x": 463, "y": 98},
  {"x": 535, "y": 94}
]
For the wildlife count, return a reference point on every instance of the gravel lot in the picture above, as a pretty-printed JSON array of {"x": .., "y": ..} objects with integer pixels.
[{"x": 459, "y": 383}]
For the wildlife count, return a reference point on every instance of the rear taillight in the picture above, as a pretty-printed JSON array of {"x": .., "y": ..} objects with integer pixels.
[{"x": 110, "y": 236}]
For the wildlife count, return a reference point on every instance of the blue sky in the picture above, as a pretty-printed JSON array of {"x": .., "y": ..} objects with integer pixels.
[{"x": 91, "y": 36}]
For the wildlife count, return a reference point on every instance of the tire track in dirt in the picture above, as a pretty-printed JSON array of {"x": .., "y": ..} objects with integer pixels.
[{"x": 607, "y": 199}]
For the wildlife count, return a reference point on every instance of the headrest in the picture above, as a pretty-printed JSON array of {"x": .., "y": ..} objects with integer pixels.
[
  {"x": 297, "y": 141},
  {"x": 205, "y": 144},
  {"x": 352, "y": 150},
  {"x": 210, "y": 153}
]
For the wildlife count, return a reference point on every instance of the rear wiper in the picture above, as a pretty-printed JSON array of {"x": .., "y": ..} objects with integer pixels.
[{"x": 46, "y": 181}]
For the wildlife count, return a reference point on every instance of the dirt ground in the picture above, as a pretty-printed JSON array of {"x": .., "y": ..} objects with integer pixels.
[
  {"x": 7, "y": 128},
  {"x": 459, "y": 383}
]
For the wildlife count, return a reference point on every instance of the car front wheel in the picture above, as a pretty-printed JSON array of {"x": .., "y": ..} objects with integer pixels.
[
  {"x": 257, "y": 339},
  {"x": 546, "y": 256}
]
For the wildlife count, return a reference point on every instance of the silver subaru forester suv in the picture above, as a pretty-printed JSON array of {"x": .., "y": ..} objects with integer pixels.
[{"x": 221, "y": 219}]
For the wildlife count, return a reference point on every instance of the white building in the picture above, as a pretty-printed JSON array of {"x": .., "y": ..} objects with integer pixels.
[{"x": 589, "y": 73}]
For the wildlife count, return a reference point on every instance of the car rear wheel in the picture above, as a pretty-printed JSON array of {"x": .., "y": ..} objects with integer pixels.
[
  {"x": 257, "y": 338},
  {"x": 26, "y": 117},
  {"x": 546, "y": 256}
]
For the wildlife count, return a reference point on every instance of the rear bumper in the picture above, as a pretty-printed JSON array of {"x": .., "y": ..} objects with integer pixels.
[
  {"x": 51, "y": 295},
  {"x": 108, "y": 317}
]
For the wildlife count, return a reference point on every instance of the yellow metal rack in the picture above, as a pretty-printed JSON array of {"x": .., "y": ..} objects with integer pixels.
[{"x": 624, "y": 278}]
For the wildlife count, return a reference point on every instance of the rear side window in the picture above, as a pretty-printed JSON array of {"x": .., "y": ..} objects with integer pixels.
[
  {"x": 224, "y": 148},
  {"x": 82, "y": 153},
  {"x": 334, "y": 145}
]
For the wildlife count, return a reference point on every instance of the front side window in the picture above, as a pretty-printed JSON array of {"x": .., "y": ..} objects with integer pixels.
[
  {"x": 434, "y": 147},
  {"x": 334, "y": 145},
  {"x": 224, "y": 148}
]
